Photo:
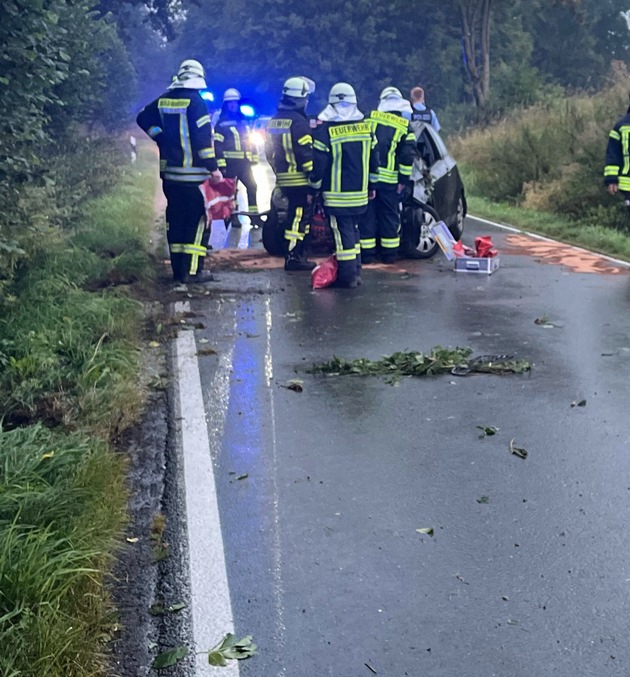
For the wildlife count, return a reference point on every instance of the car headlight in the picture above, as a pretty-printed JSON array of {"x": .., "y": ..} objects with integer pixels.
[{"x": 256, "y": 138}]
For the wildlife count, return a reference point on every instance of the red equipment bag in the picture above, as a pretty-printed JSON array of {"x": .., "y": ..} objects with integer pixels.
[
  {"x": 485, "y": 248},
  {"x": 325, "y": 273},
  {"x": 219, "y": 198}
]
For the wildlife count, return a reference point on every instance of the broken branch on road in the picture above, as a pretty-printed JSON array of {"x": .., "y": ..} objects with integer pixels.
[{"x": 438, "y": 360}]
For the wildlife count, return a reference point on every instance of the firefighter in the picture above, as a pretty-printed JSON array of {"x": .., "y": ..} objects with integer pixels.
[
  {"x": 617, "y": 169},
  {"x": 289, "y": 150},
  {"x": 231, "y": 137},
  {"x": 179, "y": 123},
  {"x": 380, "y": 225},
  {"x": 421, "y": 112},
  {"x": 345, "y": 169}
]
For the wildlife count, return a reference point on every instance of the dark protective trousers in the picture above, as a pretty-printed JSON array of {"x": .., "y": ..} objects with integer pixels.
[
  {"x": 345, "y": 229},
  {"x": 242, "y": 170},
  {"x": 380, "y": 225},
  {"x": 296, "y": 225},
  {"x": 186, "y": 223}
]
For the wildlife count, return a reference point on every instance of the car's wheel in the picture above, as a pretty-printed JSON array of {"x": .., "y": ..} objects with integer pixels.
[
  {"x": 458, "y": 229},
  {"x": 422, "y": 245},
  {"x": 272, "y": 234}
]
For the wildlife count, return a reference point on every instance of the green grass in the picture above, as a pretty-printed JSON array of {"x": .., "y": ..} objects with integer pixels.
[
  {"x": 589, "y": 235},
  {"x": 61, "y": 505},
  {"x": 70, "y": 341}
]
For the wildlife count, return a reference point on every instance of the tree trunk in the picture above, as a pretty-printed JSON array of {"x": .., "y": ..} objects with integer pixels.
[{"x": 475, "y": 18}]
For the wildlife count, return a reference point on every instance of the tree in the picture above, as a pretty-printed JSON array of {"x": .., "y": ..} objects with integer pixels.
[{"x": 475, "y": 18}]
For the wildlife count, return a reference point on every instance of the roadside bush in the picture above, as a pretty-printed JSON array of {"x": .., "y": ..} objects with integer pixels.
[{"x": 548, "y": 157}]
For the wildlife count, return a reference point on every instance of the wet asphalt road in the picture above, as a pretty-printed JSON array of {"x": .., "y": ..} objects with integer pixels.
[{"x": 325, "y": 567}]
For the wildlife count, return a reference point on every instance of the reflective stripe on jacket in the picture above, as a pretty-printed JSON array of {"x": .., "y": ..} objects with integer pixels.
[
  {"x": 289, "y": 147},
  {"x": 179, "y": 123},
  {"x": 396, "y": 145},
  {"x": 345, "y": 163},
  {"x": 231, "y": 138},
  {"x": 617, "y": 169}
]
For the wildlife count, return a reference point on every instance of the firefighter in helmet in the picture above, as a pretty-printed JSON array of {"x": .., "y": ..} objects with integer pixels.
[
  {"x": 231, "y": 136},
  {"x": 179, "y": 123},
  {"x": 345, "y": 170},
  {"x": 289, "y": 150}
]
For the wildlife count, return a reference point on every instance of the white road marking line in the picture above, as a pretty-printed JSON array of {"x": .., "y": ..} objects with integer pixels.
[
  {"x": 277, "y": 545},
  {"x": 511, "y": 229},
  {"x": 212, "y": 614}
]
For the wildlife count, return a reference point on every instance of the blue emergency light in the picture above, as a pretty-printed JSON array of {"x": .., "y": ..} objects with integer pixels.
[
  {"x": 207, "y": 95},
  {"x": 248, "y": 111}
]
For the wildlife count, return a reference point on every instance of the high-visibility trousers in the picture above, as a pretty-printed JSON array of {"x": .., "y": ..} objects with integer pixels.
[
  {"x": 241, "y": 169},
  {"x": 296, "y": 225},
  {"x": 380, "y": 225},
  {"x": 345, "y": 229},
  {"x": 187, "y": 231}
]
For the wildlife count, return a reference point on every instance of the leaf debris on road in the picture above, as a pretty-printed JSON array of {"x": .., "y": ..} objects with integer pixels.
[
  {"x": 429, "y": 531},
  {"x": 170, "y": 658},
  {"x": 159, "y": 609},
  {"x": 206, "y": 351},
  {"x": 487, "y": 430},
  {"x": 438, "y": 360},
  {"x": 517, "y": 451},
  {"x": 231, "y": 649},
  {"x": 295, "y": 385},
  {"x": 578, "y": 403},
  {"x": 483, "y": 499}
]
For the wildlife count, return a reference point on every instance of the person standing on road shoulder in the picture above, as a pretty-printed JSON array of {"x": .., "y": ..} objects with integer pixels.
[
  {"x": 617, "y": 169},
  {"x": 231, "y": 136},
  {"x": 289, "y": 150},
  {"x": 421, "y": 112},
  {"x": 380, "y": 225},
  {"x": 179, "y": 123},
  {"x": 345, "y": 170}
]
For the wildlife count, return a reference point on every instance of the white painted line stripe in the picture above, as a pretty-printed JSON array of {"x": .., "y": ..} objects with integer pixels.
[
  {"x": 211, "y": 609},
  {"x": 536, "y": 236},
  {"x": 277, "y": 544}
]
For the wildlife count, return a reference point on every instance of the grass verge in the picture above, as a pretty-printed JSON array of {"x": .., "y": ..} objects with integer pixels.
[{"x": 70, "y": 340}]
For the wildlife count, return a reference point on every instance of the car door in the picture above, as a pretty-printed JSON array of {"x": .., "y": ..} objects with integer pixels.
[{"x": 447, "y": 183}]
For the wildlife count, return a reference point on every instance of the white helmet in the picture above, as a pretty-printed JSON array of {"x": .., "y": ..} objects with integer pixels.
[
  {"x": 391, "y": 93},
  {"x": 298, "y": 87},
  {"x": 232, "y": 95},
  {"x": 190, "y": 69},
  {"x": 342, "y": 91}
]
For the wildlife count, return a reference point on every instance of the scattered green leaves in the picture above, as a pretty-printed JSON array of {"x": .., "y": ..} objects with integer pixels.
[
  {"x": 231, "y": 649},
  {"x": 487, "y": 430},
  {"x": 159, "y": 609},
  {"x": 429, "y": 531},
  {"x": 517, "y": 451},
  {"x": 170, "y": 658},
  {"x": 415, "y": 363},
  {"x": 578, "y": 403},
  {"x": 483, "y": 499}
]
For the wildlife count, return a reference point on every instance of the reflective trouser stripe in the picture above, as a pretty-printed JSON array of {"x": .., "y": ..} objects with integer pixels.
[
  {"x": 342, "y": 254},
  {"x": 368, "y": 243},
  {"x": 197, "y": 250},
  {"x": 294, "y": 234},
  {"x": 390, "y": 242}
]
